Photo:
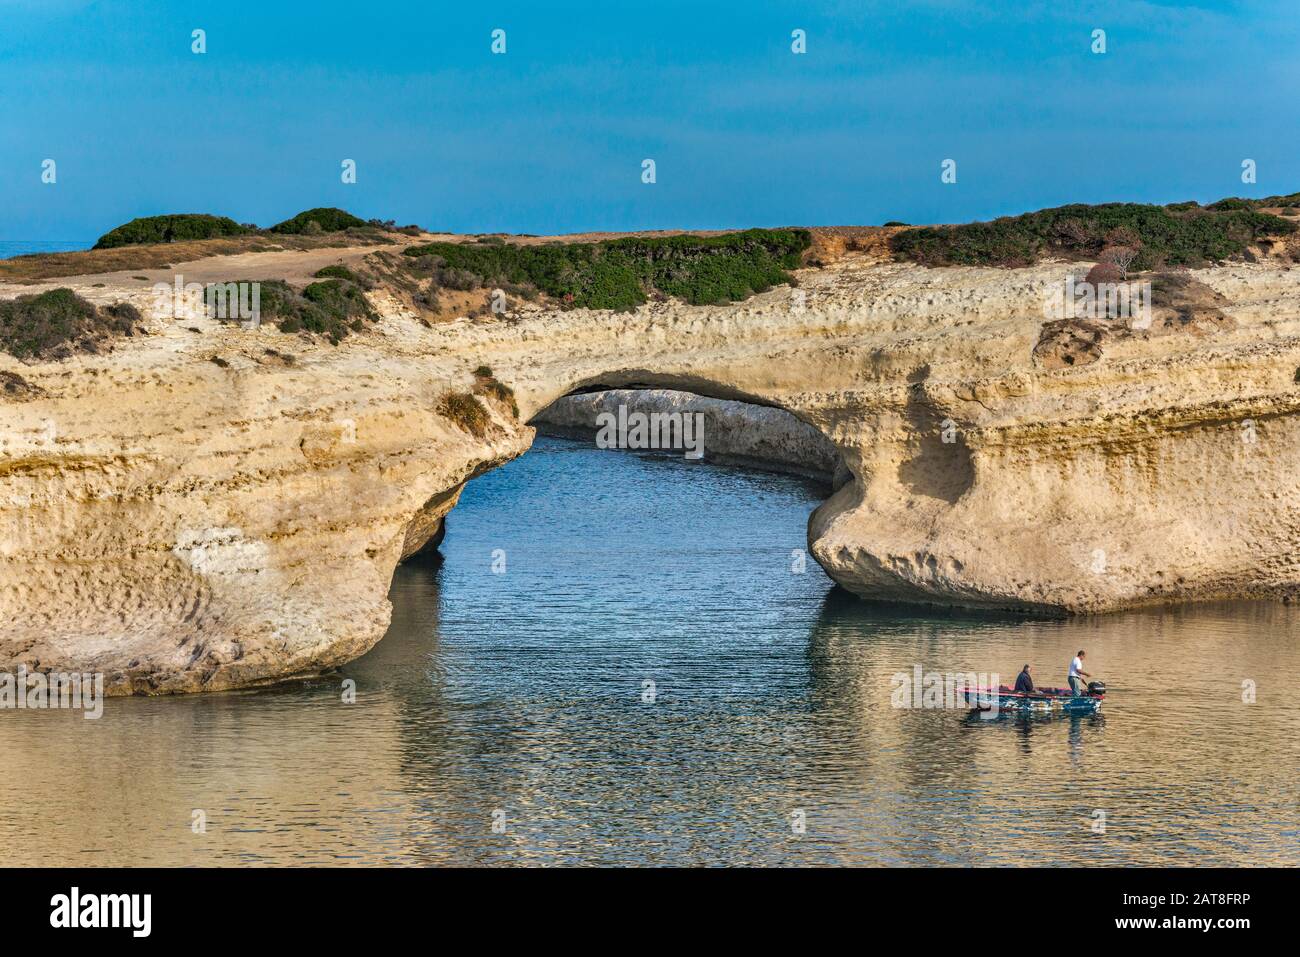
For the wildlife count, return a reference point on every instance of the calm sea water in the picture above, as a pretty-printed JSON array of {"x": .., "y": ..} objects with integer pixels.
[
  {"x": 21, "y": 247},
  {"x": 519, "y": 699}
]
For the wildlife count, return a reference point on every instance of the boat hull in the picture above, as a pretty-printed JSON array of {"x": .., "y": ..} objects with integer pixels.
[{"x": 1046, "y": 701}]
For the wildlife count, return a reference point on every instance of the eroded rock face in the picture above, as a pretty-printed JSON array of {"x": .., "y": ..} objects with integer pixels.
[
  {"x": 181, "y": 525},
  {"x": 1180, "y": 304},
  {"x": 220, "y": 527}
]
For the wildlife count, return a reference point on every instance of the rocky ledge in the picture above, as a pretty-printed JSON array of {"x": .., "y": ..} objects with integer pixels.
[{"x": 209, "y": 507}]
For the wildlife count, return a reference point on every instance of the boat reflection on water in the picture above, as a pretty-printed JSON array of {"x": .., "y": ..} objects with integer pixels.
[
  {"x": 1042, "y": 726},
  {"x": 1030, "y": 719}
]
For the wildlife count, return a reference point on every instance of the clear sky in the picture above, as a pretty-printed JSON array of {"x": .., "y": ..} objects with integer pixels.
[{"x": 550, "y": 136}]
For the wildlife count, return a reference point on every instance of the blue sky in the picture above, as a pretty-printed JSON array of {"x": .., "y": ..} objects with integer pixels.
[{"x": 550, "y": 136}]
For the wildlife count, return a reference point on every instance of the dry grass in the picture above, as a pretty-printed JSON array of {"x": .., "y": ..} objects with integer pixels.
[
  {"x": 42, "y": 266},
  {"x": 487, "y": 384},
  {"x": 466, "y": 411},
  {"x": 830, "y": 244},
  {"x": 430, "y": 302}
]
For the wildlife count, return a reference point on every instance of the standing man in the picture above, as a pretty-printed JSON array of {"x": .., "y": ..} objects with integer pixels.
[{"x": 1077, "y": 674}]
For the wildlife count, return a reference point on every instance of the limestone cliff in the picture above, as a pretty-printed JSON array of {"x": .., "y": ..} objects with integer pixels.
[{"x": 184, "y": 524}]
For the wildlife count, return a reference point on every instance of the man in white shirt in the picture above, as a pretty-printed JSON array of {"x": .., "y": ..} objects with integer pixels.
[{"x": 1077, "y": 674}]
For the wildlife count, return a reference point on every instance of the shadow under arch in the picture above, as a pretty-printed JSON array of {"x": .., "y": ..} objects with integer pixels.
[
  {"x": 643, "y": 379},
  {"x": 424, "y": 537}
]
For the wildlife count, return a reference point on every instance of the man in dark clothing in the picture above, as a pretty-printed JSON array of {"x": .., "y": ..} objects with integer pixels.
[{"x": 1024, "y": 683}]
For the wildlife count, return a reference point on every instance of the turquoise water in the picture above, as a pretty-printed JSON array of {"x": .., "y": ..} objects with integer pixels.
[{"x": 506, "y": 718}]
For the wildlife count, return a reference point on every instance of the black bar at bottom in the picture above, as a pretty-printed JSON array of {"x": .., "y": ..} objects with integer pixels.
[{"x": 964, "y": 907}]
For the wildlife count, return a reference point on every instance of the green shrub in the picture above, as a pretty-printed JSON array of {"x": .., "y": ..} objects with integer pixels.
[
  {"x": 620, "y": 273},
  {"x": 174, "y": 228},
  {"x": 339, "y": 297},
  {"x": 342, "y": 272},
  {"x": 327, "y": 219},
  {"x": 332, "y": 308},
  {"x": 1267, "y": 202},
  {"x": 466, "y": 411},
  {"x": 443, "y": 276},
  {"x": 1231, "y": 203},
  {"x": 57, "y": 323},
  {"x": 1164, "y": 236}
]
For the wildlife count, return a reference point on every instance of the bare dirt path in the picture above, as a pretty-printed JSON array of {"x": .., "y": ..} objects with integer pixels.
[{"x": 296, "y": 266}]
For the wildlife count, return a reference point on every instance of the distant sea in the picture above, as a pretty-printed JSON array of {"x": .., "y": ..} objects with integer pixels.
[{"x": 20, "y": 247}]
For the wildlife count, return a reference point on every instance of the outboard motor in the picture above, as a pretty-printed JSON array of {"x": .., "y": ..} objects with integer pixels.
[{"x": 1097, "y": 688}]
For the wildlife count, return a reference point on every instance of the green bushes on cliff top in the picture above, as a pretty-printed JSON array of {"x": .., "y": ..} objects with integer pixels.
[
  {"x": 58, "y": 323},
  {"x": 173, "y": 228},
  {"x": 339, "y": 271},
  {"x": 332, "y": 308},
  {"x": 183, "y": 227},
  {"x": 621, "y": 273},
  {"x": 1268, "y": 202},
  {"x": 1182, "y": 234},
  {"x": 323, "y": 219}
]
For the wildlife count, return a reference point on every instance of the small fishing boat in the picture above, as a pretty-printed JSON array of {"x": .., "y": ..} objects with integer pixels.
[{"x": 1041, "y": 700}]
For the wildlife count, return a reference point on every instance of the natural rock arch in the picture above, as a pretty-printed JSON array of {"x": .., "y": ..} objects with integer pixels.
[{"x": 182, "y": 524}]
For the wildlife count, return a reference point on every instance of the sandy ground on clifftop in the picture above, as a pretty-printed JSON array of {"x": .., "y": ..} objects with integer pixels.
[
  {"x": 223, "y": 260},
  {"x": 295, "y": 266}
]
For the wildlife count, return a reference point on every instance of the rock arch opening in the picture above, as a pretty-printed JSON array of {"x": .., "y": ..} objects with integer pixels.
[
  {"x": 709, "y": 427},
  {"x": 639, "y": 410}
]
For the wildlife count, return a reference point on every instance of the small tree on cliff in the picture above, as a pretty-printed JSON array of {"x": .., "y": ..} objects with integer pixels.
[{"x": 1121, "y": 257}]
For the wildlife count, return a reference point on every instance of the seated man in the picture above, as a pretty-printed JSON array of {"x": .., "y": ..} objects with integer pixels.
[{"x": 1024, "y": 683}]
